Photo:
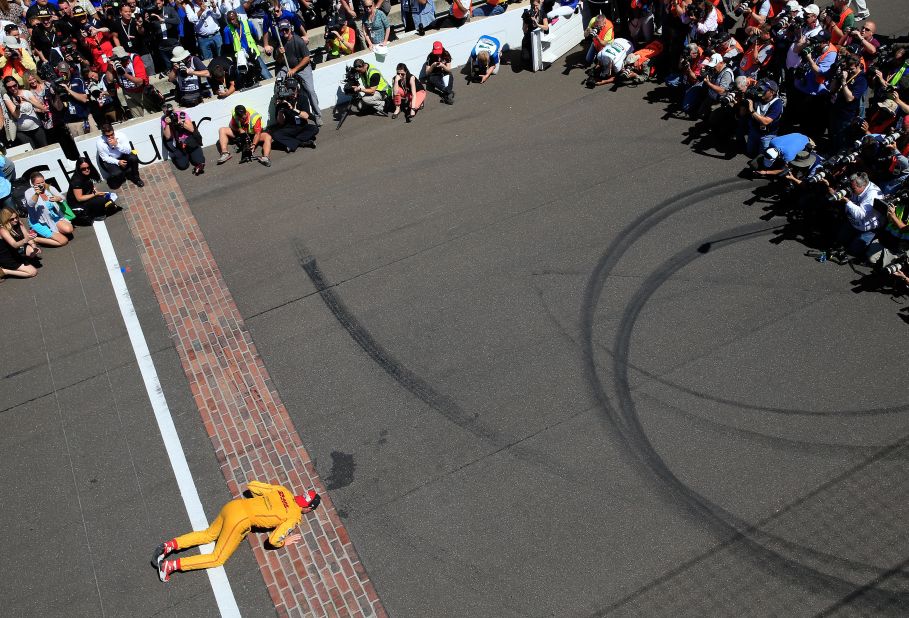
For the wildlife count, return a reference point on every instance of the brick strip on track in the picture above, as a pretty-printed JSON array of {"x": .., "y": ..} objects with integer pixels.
[{"x": 250, "y": 429}]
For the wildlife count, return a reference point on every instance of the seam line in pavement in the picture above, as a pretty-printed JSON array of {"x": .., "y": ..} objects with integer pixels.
[
  {"x": 250, "y": 429},
  {"x": 69, "y": 455}
]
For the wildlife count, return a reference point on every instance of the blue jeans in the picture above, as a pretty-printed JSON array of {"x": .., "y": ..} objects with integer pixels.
[
  {"x": 693, "y": 98},
  {"x": 266, "y": 74},
  {"x": 855, "y": 242},
  {"x": 758, "y": 142},
  {"x": 488, "y": 10},
  {"x": 209, "y": 46}
]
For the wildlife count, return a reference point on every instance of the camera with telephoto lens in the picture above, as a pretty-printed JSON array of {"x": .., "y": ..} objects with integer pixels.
[
  {"x": 745, "y": 6},
  {"x": 259, "y": 5},
  {"x": 331, "y": 35},
  {"x": 119, "y": 69},
  {"x": 244, "y": 145},
  {"x": 351, "y": 80},
  {"x": 708, "y": 73},
  {"x": 889, "y": 140},
  {"x": 840, "y": 194},
  {"x": 896, "y": 265},
  {"x": 594, "y": 31}
]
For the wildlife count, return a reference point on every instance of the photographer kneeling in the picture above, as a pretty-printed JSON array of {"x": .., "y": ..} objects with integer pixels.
[
  {"x": 863, "y": 219},
  {"x": 609, "y": 63},
  {"x": 245, "y": 130},
  {"x": 372, "y": 91},
  {"x": 182, "y": 140},
  {"x": 292, "y": 128},
  {"x": 716, "y": 80}
]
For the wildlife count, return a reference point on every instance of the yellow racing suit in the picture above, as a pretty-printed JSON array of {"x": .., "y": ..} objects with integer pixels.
[{"x": 272, "y": 506}]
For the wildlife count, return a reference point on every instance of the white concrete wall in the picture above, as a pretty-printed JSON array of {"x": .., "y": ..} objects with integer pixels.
[{"x": 145, "y": 133}]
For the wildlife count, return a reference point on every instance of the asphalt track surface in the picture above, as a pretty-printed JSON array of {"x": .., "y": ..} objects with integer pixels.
[{"x": 547, "y": 360}]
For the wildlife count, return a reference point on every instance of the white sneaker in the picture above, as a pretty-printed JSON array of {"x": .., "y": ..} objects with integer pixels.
[
  {"x": 265, "y": 161},
  {"x": 224, "y": 158}
]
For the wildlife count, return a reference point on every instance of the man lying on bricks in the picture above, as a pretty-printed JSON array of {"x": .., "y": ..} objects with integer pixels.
[{"x": 272, "y": 506}]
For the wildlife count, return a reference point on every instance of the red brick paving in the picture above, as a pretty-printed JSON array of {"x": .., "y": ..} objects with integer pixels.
[{"x": 252, "y": 434}]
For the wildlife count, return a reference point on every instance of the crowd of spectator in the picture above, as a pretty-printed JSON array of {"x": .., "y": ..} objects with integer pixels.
[{"x": 809, "y": 94}]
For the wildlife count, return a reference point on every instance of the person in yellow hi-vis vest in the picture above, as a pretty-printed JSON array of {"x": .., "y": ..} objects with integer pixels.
[{"x": 272, "y": 506}]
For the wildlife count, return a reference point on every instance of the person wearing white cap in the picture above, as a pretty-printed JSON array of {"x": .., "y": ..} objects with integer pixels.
[
  {"x": 812, "y": 27},
  {"x": 16, "y": 60},
  {"x": 190, "y": 76},
  {"x": 716, "y": 80}
]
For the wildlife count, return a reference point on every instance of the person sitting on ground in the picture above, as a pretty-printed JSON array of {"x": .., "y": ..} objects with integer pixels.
[
  {"x": 484, "y": 58},
  {"x": 372, "y": 92},
  {"x": 182, "y": 140},
  {"x": 292, "y": 128},
  {"x": 609, "y": 63},
  {"x": 12, "y": 263},
  {"x": 408, "y": 93},
  {"x": 85, "y": 202},
  {"x": 22, "y": 240},
  {"x": 271, "y": 507},
  {"x": 375, "y": 25},
  {"x": 223, "y": 77},
  {"x": 490, "y": 8},
  {"x": 23, "y": 107},
  {"x": 117, "y": 158},
  {"x": 600, "y": 32},
  {"x": 245, "y": 130},
  {"x": 438, "y": 72},
  {"x": 45, "y": 215},
  {"x": 188, "y": 74}
]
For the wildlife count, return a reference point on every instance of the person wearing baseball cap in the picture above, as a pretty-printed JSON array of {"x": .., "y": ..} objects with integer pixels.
[
  {"x": 270, "y": 507},
  {"x": 763, "y": 117},
  {"x": 438, "y": 72},
  {"x": 298, "y": 65}
]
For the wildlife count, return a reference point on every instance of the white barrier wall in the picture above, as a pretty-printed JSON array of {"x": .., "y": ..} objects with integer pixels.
[{"x": 145, "y": 133}]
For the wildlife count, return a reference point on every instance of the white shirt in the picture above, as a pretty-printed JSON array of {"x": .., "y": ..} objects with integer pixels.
[
  {"x": 615, "y": 54},
  {"x": 205, "y": 24},
  {"x": 232, "y": 5},
  {"x": 112, "y": 155},
  {"x": 28, "y": 117},
  {"x": 792, "y": 56},
  {"x": 863, "y": 216}
]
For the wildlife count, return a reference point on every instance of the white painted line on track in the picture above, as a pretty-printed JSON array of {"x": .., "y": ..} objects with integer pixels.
[{"x": 224, "y": 595}]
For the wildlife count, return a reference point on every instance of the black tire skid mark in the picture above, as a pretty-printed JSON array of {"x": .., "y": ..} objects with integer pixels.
[{"x": 626, "y": 426}]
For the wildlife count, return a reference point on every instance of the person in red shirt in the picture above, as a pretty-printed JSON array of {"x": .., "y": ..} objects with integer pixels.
[{"x": 245, "y": 129}]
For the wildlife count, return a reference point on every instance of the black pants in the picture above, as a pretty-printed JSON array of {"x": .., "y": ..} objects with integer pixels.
[
  {"x": 118, "y": 175},
  {"x": 292, "y": 136},
  {"x": 182, "y": 158},
  {"x": 437, "y": 83},
  {"x": 36, "y": 138},
  {"x": 91, "y": 208}
]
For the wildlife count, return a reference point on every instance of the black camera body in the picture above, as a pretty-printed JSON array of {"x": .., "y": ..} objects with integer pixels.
[
  {"x": 181, "y": 69},
  {"x": 244, "y": 145},
  {"x": 745, "y": 6},
  {"x": 119, "y": 69},
  {"x": 286, "y": 89},
  {"x": 530, "y": 19},
  {"x": 351, "y": 80},
  {"x": 754, "y": 93}
]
